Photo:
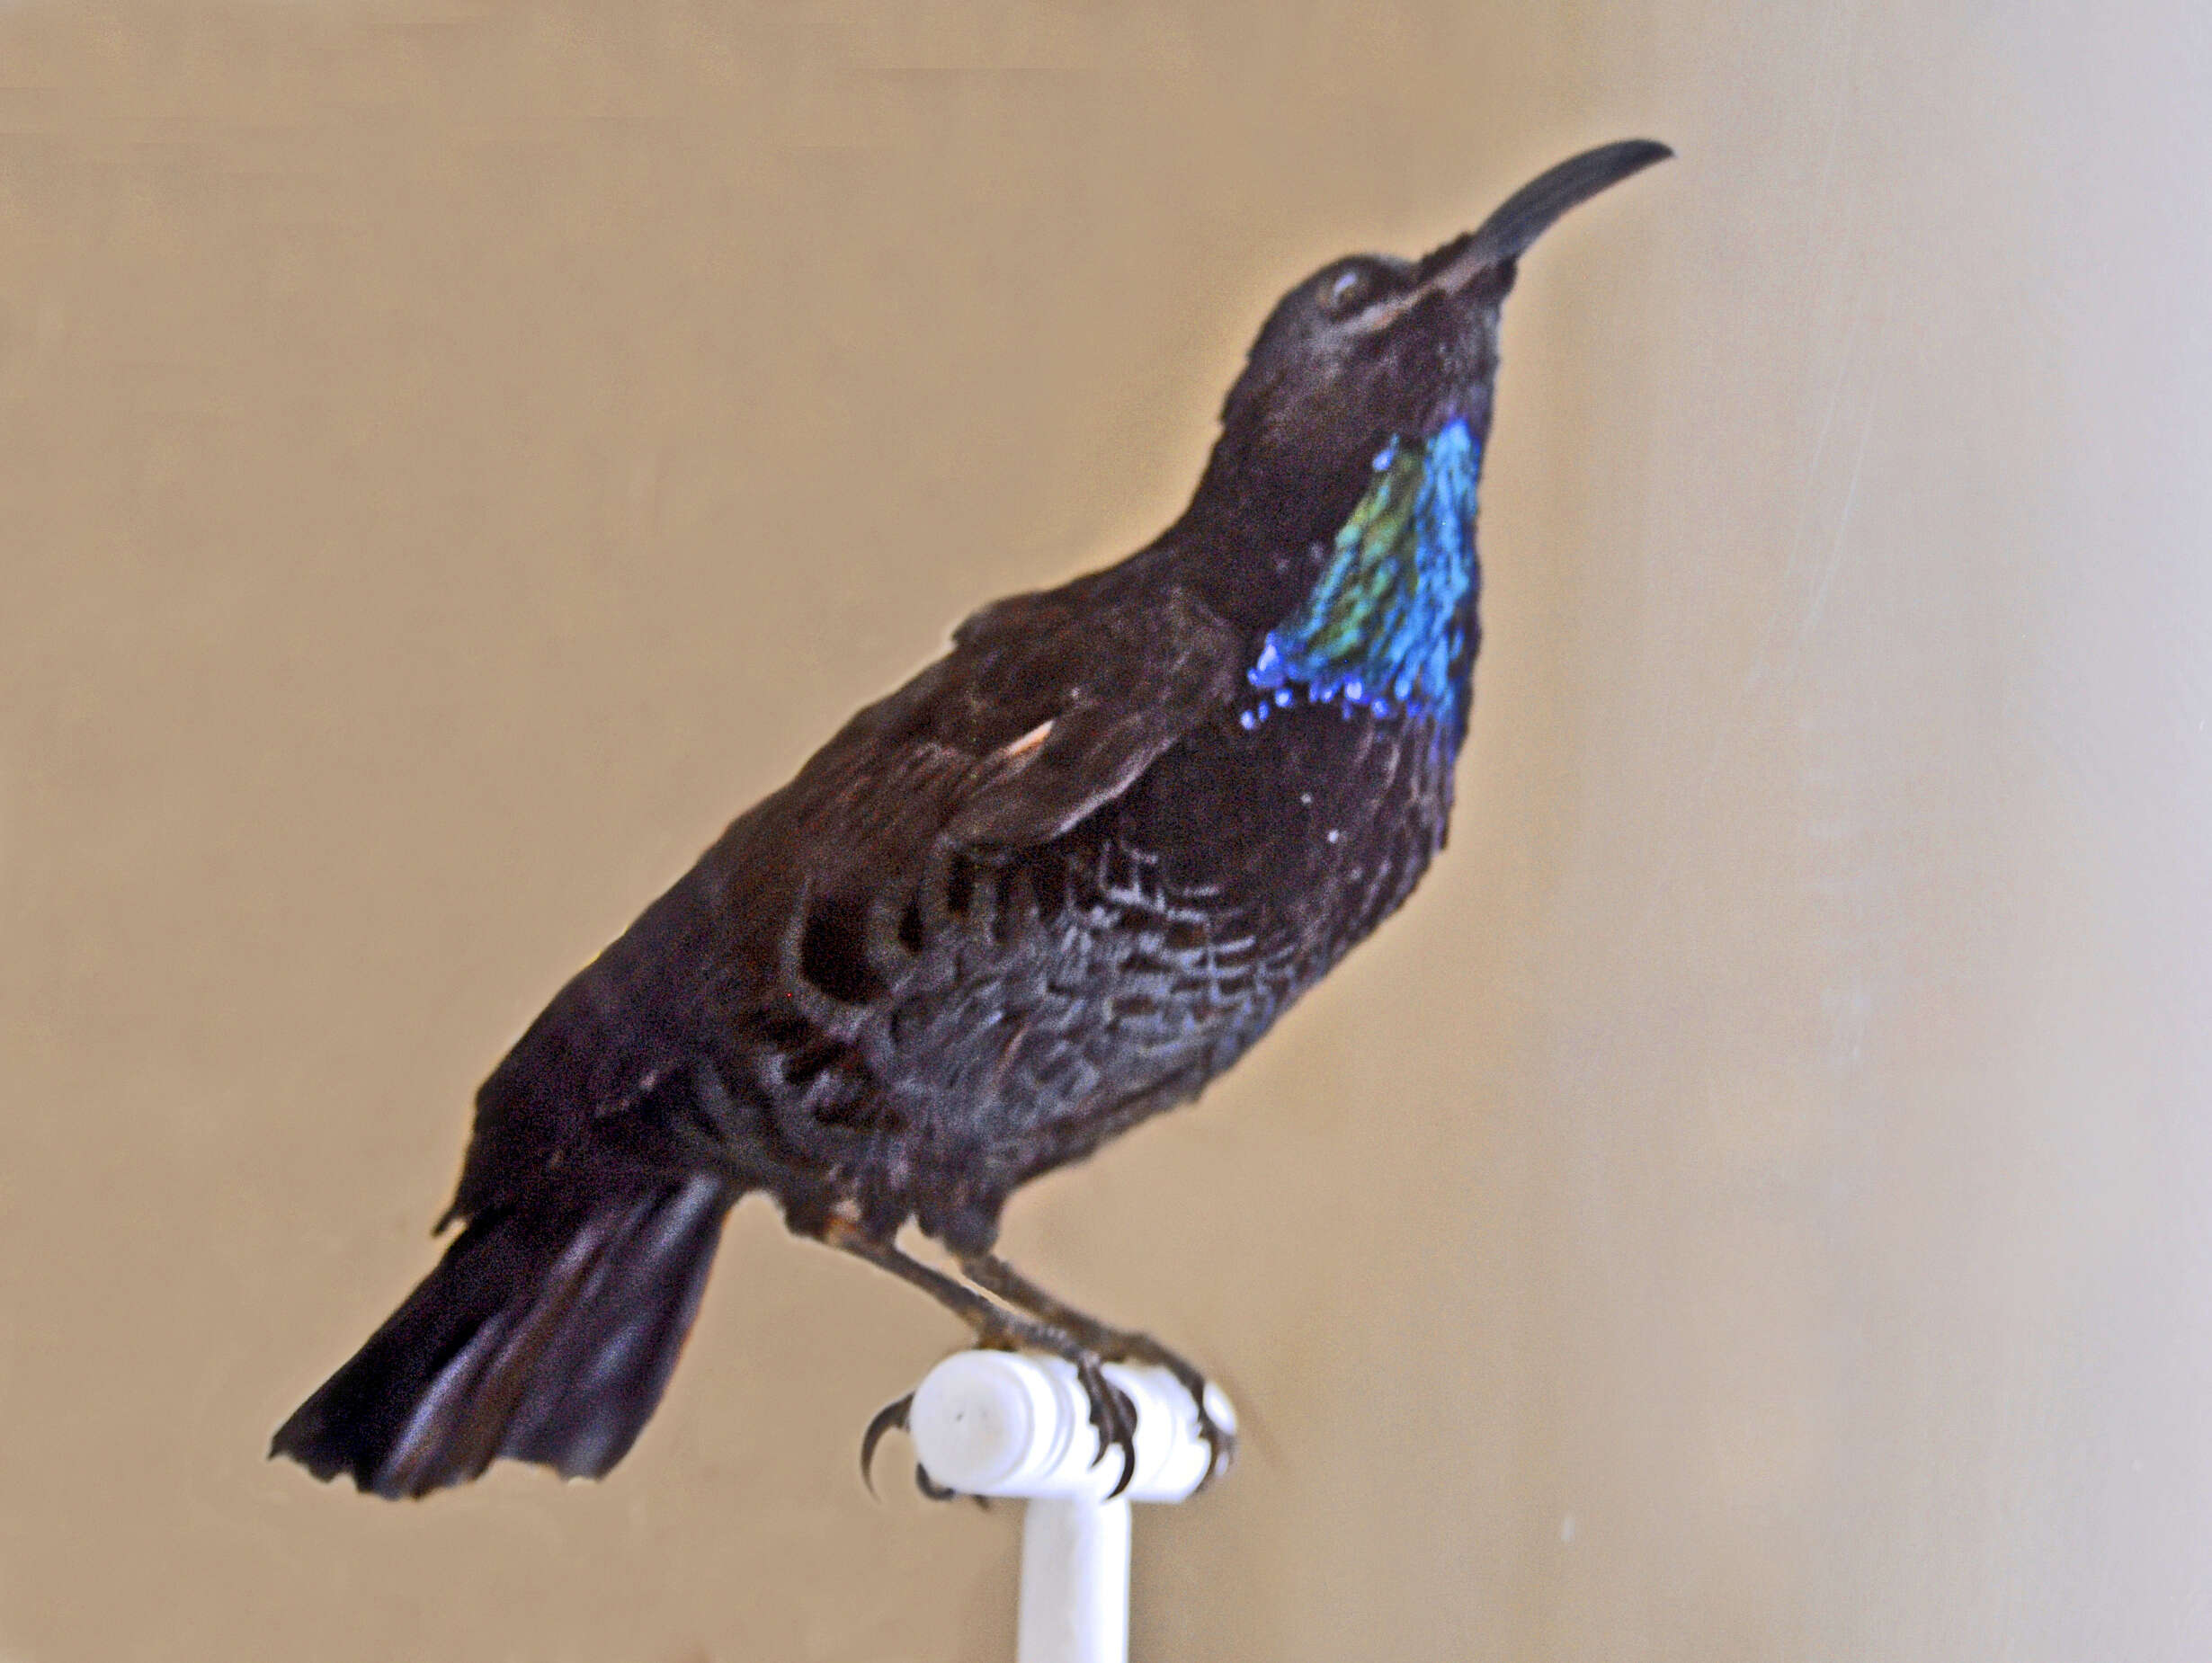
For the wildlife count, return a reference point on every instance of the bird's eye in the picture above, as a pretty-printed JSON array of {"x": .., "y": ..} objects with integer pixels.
[{"x": 1348, "y": 289}]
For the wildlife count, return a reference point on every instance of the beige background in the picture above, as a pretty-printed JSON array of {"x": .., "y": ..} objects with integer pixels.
[{"x": 1752, "y": 1207}]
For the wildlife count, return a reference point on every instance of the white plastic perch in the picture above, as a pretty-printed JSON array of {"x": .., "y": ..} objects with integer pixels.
[{"x": 996, "y": 1423}]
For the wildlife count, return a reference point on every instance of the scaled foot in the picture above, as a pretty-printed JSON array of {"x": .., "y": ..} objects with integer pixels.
[{"x": 1108, "y": 1344}]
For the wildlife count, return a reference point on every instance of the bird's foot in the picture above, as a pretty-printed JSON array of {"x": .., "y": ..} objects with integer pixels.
[
  {"x": 1029, "y": 1320},
  {"x": 1108, "y": 1344},
  {"x": 1111, "y": 1413},
  {"x": 1116, "y": 1346}
]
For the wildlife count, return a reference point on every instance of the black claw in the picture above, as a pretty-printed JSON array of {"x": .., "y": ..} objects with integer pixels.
[
  {"x": 892, "y": 1415},
  {"x": 1220, "y": 1446},
  {"x": 1114, "y": 1417},
  {"x": 1126, "y": 1437},
  {"x": 1220, "y": 1442},
  {"x": 929, "y": 1486}
]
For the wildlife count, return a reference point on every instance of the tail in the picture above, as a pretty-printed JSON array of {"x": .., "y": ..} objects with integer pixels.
[{"x": 547, "y": 1333}]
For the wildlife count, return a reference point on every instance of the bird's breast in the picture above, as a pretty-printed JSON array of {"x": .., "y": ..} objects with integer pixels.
[{"x": 1087, "y": 983}]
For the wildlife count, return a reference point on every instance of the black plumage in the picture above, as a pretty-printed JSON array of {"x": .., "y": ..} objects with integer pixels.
[{"x": 1054, "y": 884}]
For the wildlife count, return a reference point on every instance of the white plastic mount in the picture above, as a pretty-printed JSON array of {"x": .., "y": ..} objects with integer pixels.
[
  {"x": 1002, "y": 1423},
  {"x": 998, "y": 1423}
]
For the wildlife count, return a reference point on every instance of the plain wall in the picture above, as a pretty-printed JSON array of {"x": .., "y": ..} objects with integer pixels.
[{"x": 1751, "y": 1206}]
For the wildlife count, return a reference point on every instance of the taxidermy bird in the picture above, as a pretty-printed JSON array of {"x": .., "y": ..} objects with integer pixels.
[{"x": 1052, "y": 885}]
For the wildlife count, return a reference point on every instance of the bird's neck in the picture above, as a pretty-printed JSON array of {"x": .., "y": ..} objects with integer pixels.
[{"x": 1389, "y": 624}]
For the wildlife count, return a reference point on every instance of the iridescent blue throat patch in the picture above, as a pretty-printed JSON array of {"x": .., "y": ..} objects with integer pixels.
[{"x": 1385, "y": 628}]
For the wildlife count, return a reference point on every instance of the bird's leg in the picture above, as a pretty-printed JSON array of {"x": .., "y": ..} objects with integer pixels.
[
  {"x": 1111, "y": 1412},
  {"x": 1113, "y": 1345}
]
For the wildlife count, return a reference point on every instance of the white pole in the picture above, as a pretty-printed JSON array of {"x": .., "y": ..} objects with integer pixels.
[
  {"x": 1075, "y": 1581},
  {"x": 996, "y": 1423}
]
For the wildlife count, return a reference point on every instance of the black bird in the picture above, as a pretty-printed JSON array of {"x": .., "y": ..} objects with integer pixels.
[{"x": 1052, "y": 885}]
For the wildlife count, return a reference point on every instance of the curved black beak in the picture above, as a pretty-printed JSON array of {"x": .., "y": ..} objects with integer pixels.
[{"x": 1530, "y": 211}]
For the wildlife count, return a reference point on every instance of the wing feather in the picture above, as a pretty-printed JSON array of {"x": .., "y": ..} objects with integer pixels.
[{"x": 1121, "y": 687}]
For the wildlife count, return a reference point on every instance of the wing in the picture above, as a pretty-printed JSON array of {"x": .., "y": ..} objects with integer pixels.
[
  {"x": 1111, "y": 688},
  {"x": 759, "y": 967}
]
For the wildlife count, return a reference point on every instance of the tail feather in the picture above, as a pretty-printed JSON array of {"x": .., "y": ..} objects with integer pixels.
[{"x": 547, "y": 1333}]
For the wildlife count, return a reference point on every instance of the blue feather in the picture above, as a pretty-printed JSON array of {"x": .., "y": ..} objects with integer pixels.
[{"x": 1389, "y": 625}]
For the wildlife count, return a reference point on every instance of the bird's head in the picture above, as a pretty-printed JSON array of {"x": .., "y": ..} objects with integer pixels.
[{"x": 1371, "y": 349}]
